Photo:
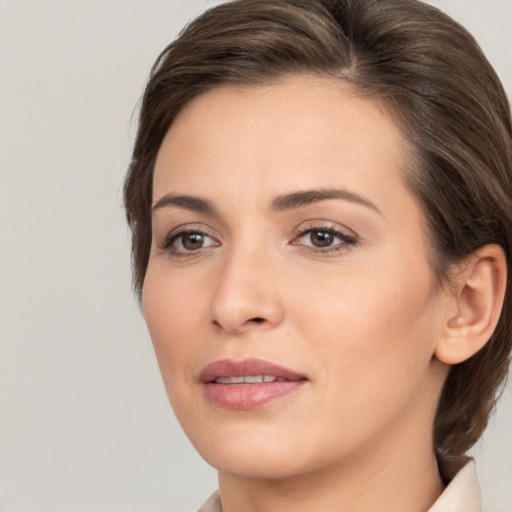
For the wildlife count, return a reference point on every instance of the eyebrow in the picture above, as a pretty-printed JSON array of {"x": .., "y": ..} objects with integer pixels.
[
  {"x": 280, "y": 203},
  {"x": 195, "y": 204},
  {"x": 306, "y": 197}
]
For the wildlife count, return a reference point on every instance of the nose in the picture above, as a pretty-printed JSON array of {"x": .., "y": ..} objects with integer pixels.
[{"x": 245, "y": 297}]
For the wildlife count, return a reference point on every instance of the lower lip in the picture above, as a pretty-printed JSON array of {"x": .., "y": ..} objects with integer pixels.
[{"x": 249, "y": 396}]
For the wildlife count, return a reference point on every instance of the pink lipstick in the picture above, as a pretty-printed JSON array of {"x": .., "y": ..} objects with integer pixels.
[{"x": 247, "y": 384}]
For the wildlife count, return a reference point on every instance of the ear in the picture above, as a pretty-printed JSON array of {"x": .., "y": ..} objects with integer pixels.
[{"x": 478, "y": 290}]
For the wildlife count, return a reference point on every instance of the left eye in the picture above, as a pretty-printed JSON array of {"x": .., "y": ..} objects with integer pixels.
[{"x": 323, "y": 238}]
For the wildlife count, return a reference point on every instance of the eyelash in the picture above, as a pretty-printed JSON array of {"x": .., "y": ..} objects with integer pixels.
[
  {"x": 346, "y": 241},
  {"x": 343, "y": 245}
]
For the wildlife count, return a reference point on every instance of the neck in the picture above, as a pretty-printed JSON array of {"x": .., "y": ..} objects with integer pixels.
[{"x": 401, "y": 474}]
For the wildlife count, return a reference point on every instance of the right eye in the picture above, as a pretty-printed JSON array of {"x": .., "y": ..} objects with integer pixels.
[{"x": 185, "y": 243}]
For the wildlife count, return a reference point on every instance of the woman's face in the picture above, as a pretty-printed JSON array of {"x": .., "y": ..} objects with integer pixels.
[{"x": 286, "y": 246}]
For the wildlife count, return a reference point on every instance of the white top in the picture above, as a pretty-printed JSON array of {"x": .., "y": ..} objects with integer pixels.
[{"x": 461, "y": 495}]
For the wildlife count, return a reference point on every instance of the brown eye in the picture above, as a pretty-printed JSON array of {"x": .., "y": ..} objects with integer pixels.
[
  {"x": 187, "y": 242},
  {"x": 321, "y": 238},
  {"x": 324, "y": 240},
  {"x": 192, "y": 241}
]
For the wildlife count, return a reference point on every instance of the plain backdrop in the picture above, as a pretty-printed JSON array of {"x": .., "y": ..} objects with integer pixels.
[{"x": 84, "y": 420}]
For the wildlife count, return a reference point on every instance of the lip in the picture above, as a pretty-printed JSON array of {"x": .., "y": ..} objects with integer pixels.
[{"x": 248, "y": 396}]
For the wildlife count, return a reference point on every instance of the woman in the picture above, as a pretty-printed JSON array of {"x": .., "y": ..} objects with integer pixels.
[{"x": 320, "y": 201}]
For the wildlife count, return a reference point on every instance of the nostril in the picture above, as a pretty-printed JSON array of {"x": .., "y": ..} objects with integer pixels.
[{"x": 235, "y": 327}]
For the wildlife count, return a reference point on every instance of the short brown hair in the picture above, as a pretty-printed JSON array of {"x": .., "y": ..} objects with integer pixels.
[{"x": 442, "y": 91}]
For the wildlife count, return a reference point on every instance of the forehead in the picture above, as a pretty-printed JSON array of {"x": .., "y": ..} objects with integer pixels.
[{"x": 301, "y": 132}]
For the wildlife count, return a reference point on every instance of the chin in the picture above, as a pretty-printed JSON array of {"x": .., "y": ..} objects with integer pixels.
[
  {"x": 259, "y": 452},
  {"x": 254, "y": 464}
]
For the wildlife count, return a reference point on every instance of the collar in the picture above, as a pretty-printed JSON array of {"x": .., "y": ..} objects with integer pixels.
[
  {"x": 213, "y": 504},
  {"x": 463, "y": 492}
]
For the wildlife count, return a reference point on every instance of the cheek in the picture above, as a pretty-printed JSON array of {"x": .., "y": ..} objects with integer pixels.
[
  {"x": 374, "y": 345},
  {"x": 171, "y": 310},
  {"x": 371, "y": 325}
]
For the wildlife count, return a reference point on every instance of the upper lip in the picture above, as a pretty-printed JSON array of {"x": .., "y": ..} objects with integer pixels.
[{"x": 245, "y": 367}]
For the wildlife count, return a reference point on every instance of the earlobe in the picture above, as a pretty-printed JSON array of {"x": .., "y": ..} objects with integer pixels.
[{"x": 478, "y": 294}]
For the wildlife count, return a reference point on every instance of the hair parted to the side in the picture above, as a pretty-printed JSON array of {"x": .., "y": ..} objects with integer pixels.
[{"x": 442, "y": 92}]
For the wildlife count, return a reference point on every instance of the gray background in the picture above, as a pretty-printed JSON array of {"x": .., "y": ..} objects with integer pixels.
[{"x": 84, "y": 421}]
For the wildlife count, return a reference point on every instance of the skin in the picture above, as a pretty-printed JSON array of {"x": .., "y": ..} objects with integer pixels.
[{"x": 361, "y": 319}]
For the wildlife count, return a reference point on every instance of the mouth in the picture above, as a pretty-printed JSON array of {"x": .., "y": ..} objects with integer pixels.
[
  {"x": 248, "y": 384},
  {"x": 250, "y": 379}
]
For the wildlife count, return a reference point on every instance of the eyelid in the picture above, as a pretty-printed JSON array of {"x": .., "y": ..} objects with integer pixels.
[
  {"x": 313, "y": 225},
  {"x": 188, "y": 227}
]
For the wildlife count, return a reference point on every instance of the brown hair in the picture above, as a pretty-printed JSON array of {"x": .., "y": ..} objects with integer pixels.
[{"x": 443, "y": 92}]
